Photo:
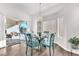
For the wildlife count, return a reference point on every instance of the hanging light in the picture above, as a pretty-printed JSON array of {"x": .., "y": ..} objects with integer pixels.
[
  {"x": 40, "y": 18},
  {"x": 40, "y": 15}
]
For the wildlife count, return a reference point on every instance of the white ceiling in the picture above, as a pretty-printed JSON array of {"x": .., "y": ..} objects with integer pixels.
[{"x": 19, "y": 10}]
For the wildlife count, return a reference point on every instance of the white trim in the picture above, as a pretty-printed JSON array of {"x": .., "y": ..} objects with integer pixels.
[{"x": 2, "y": 43}]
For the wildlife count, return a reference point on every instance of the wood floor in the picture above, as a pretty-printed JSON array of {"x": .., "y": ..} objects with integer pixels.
[{"x": 19, "y": 50}]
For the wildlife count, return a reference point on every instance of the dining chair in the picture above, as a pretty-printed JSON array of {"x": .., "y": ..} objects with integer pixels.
[
  {"x": 32, "y": 42},
  {"x": 48, "y": 42}
]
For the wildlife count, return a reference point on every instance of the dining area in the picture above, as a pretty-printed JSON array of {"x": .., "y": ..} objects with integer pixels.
[{"x": 41, "y": 41}]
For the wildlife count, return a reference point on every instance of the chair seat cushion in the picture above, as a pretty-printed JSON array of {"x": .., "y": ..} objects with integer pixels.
[
  {"x": 34, "y": 43},
  {"x": 46, "y": 42}
]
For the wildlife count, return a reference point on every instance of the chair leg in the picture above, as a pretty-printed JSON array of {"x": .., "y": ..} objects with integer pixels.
[
  {"x": 50, "y": 51},
  {"x": 31, "y": 52},
  {"x": 38, "y": 51},
  {"x": 26, "y": 50},
  {"x": 53, "y": 49},
  {"x": 26, "y": 44}
]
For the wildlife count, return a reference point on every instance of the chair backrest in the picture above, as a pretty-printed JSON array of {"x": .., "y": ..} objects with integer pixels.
[
  {"x": 52, "y": 35},
  {"x": 48, "y": 41},
  {"x": 29, "y": 36},
  {"x": 23, "y": 26},
  {"x": 32, "y": 41}
]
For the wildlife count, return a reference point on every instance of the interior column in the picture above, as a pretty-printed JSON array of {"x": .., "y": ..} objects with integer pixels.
[{"x": 2, "y": 31}]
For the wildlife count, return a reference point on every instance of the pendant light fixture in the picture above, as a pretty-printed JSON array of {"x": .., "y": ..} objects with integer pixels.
[
  {"x": 39, "y": 23},
  {"x": 40, "y": 14}
]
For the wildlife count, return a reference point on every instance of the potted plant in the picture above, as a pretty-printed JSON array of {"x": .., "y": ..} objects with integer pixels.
[{"x": 74, "y": 42}]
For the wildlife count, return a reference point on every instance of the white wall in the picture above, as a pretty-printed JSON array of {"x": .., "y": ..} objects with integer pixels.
[
  {"x": 71, "y": 20},
  {"x": 2, "y": 27},
  {"x": 60, "y": 39},
  {"x": 2, "y": 31}
]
